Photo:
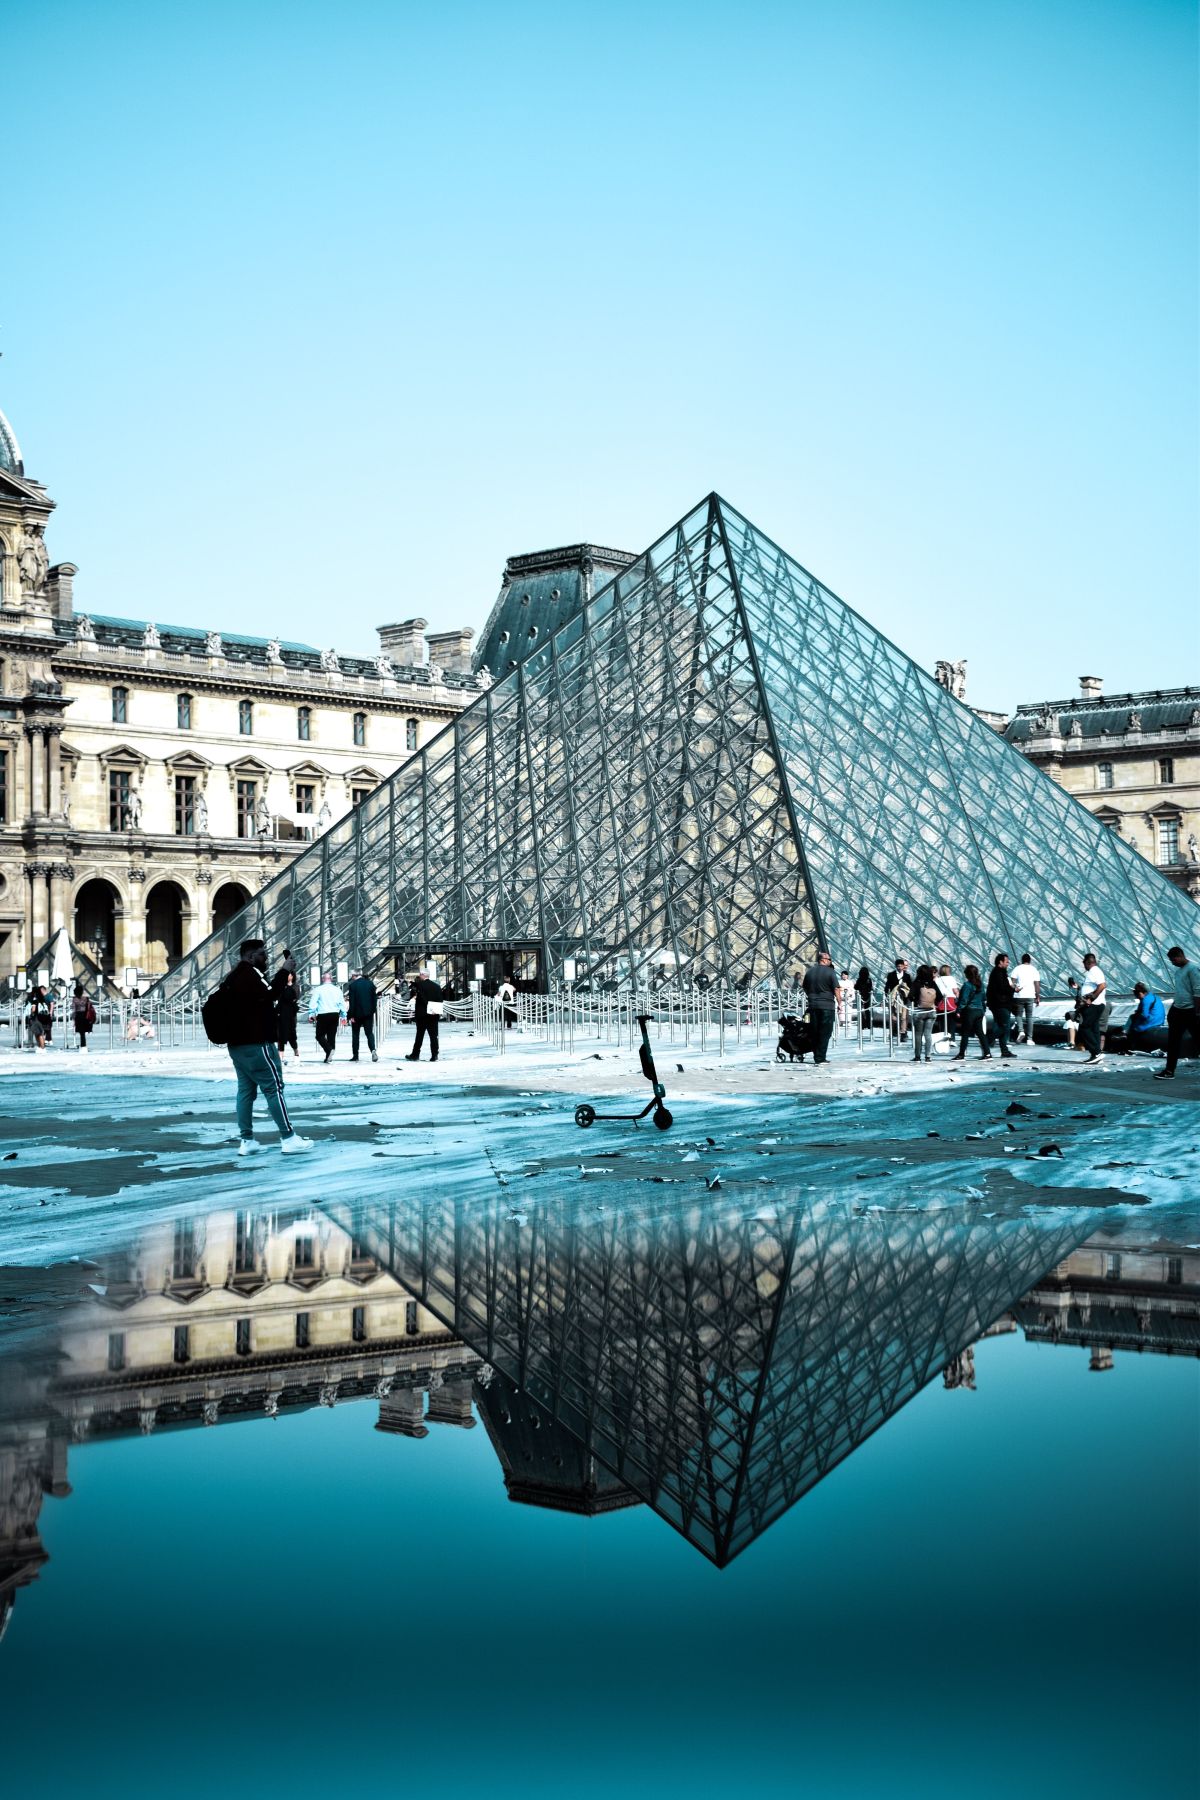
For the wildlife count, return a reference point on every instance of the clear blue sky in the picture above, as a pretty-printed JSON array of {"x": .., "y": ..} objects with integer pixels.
[{"x": 313, "y": 314}]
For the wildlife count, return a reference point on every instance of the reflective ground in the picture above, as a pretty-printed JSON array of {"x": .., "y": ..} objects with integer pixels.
[{"x": 605, "y": 1483}]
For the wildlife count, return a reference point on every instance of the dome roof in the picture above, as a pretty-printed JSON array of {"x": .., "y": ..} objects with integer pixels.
[{"x": 10, "y": 450}]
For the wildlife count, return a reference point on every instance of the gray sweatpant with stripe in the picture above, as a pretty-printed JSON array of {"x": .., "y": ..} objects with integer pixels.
[{"x": 260, "y": 1071}]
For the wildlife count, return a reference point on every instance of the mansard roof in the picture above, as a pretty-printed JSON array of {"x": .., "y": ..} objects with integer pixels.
[{"x": 1162, "y": 709}]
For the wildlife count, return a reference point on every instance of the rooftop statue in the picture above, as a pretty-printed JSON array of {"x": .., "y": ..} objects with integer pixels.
[
  {"x": 34, "y": 562},
  {"x": 212, "y": 644}
]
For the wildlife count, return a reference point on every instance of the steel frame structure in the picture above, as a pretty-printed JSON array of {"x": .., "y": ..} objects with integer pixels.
[{"x": 713, "y": 769}]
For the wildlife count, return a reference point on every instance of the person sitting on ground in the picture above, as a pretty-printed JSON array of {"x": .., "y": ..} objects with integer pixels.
[
  {"x": 427, "y": 1000},
  {"x": 924, "y": 1011},
  {"x": 249, "y": 1023},
  {"x": 970, "y": 1013},
  {"x": 327, "y": 1008},
  {"x": 1148, "y": 1015},
  {"x": 362, "y": 998},
  {"x": 1183, "y": 1020},
  {"x": 83, "y": 1014},
  {"x": 820, "y": 987}
]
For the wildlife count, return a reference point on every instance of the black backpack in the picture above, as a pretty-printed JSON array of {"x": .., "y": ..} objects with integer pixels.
[{"x": 215, "y": 1015}]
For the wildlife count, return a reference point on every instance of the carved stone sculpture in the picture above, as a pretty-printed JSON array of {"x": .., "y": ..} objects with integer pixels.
[
  {"x": 1193, "y": 849},
  {"x": 212, "y": 644},
  {"x": 275, "y": 652},
  {"x": 262, "y": 817},
  {"x": 329, "y": 662},
  {"x": 386, "y": 668},
  {"x": 33, "y": 562},
  {"x": 150, "y": 638},
  {"x": 1135, "y": 720},
  {"x": 85, "y": 631},
  {"x": 200, "y": 815},
  {"x": 133, "y": 811},
  {"x": 324, "y": 817}
]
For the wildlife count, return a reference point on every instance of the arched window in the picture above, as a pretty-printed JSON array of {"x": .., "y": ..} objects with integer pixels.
[
  {"x": 360, "y": 729},
  {"x": 410, "y": 734},
  {"x": 246, "y": 718},
  {"x": 183, "y": 712}
]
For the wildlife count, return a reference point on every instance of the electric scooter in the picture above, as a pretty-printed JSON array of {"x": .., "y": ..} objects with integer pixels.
[{"x": 586, "y": 1115}]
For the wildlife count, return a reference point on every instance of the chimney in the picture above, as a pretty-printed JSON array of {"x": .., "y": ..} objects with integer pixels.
[
  {"x": 451, "y": 650},
  {"x": 1091, "y": 687},
  {"x": 404, "y": 643},
  {"x": 60, "y": 584}
]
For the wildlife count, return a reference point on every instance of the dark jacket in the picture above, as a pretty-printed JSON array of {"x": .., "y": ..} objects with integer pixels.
[
  {"x": 820, "y": 984},
  {"x": 287, "y": 999},
  {"x": 897, "y": 980},
  {"x": 1000, "y": 992},
  {"x": 250, "y": 1006},
  {"x": 361, "y": 998},
  {"x": 424, "y": 991}
]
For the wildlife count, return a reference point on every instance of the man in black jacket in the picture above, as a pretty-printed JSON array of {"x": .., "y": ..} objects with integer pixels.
[
  {"x": 820, "y": 985},
  {"x": 1000, "y": 997},
  {"x": 424, "y": 990},
  {"x": 251, "y": 1024},
  {"x": 361, "y": 999}
]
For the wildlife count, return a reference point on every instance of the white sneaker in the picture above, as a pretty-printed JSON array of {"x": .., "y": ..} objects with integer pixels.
[
  {"x": 295, "y": 1145},
  {"x": 248, "y": 1146}
]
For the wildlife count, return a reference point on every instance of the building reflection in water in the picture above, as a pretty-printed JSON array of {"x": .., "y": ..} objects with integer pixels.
[{"x": 712, "y": 1365}]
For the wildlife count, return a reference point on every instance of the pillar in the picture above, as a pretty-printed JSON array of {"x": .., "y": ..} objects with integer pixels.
[
  {"x": 451, "y": 1403},
  {"x": 401, "y": 1412},
  {"x": 59, "y": 876},
  {"x": 38, "y": 909},
  {"x": 37, "y": 786},
  {"x": 54, "y": 794}
]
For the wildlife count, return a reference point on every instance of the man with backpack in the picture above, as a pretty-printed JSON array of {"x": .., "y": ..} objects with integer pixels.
[{"x": 241, "y": 1015}]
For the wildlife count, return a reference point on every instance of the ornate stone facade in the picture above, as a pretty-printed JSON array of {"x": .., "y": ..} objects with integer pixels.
[
  {"x": 1133, "y": 760},
  {"x": 153, "y": 777}
]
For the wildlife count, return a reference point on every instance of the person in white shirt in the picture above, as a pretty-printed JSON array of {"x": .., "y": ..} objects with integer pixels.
[
  {"x": 1027, "y": 987},
  {"x": 327, "y": 1007},
  {"x": 1090, "y": 993}
]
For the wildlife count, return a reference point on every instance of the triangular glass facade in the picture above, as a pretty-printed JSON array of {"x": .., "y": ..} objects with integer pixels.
[{"x": 712, "y": 769}]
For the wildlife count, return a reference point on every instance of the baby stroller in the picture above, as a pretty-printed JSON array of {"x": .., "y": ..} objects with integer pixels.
[{"x": 795, "y": 1039}]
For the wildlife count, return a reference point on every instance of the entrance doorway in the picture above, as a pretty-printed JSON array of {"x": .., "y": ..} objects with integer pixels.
[
  {"x": 96, "y": 907},
  {"x": 166, "y": 904}
]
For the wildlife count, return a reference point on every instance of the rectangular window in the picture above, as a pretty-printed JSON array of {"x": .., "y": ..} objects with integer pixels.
[
  {"x": 358, "y": 795},
  {"x": 410, "y": 734},
  {"x": 1112, "y": 1267},
  {"x": 358, "y": 1324},
  {"x": 243, "y": 1248},
  {"x": 306, "y": 798},
  {"x": 3, "y": 789},
  {"x": 246, "y": 718},
  {"x": 1168, "y": 840},
  {"x": 120, "y": 706},
  {"x": 116, "y": 1350},
  {"x": 183, "y": 712},
  {"x": 360, "y": 729},
  {"x": 410, "y": 1318},
  {"x": 304, "y": 723},
  {"x": 243, "y": 1337},
  {"x": 183, "y": 1259},
  {"x": 119, "y": 784},
  {"x": 185, "y": 805},
  {"x": 1166, "y": 770},
  {"x": 302, "y": 1331},
  {"x": 1104, "y": 775},
  {"x": 1175, "y": 1271},
  {"x": 305, "y": 1256},
  {"x": 182, "y": 1346},
  {"x": 247, "y": 800}
]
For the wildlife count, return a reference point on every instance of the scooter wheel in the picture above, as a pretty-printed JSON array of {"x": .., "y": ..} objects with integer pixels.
[
  {"x": 663, "y": 1119},
  {"x": 779, "y": 1056},
  {"x": 584, "y": 1115}
]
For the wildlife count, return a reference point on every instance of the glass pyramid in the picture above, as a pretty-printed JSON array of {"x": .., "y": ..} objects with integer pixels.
[{"x": 713, "y": 769}]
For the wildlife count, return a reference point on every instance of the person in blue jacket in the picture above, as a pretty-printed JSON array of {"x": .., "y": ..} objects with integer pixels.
[{"x": 1148, "y": 1015}]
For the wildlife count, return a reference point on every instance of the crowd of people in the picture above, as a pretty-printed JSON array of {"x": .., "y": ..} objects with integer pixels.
[{"x": 997, "y": 1010}]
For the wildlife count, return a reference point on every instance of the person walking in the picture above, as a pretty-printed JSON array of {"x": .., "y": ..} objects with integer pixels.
[
  {"x": 864, "y": 988},
  {"x": 245, "y": 1012},
  {"x": 39, "y": 1021},
  {"x": 1090, "y": 993},
  {"x": 897, "y": 990},
  {"x": 1183, "y": 1020},
  {"x": 970, "y": 1013},
  {"x": 427, "y": 997},
  {"x": 327, "y": 1007},
  {"x": 821, "y": 987},
  {"x": 506, "y": 993},
  {"x": 1027, "y": 995},
  {"x": 83, "y": 1015},
  {"x": 1000, "y": 1001},
  {"x": 1148, "y": 1015},
  {"x": 362, "y": 999},
  {"x": 285, "y": 986},
  {"x": 924, "y": 1011}
]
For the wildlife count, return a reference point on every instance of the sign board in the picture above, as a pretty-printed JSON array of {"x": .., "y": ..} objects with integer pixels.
[
  {"x": 343, "y": 971},
  {"x": 22, "y": 980},
  {"x": 474, "y": 986},
  {"x": 314, "y": 975},
  {"x": 479, "y": 972},
  {"x": 568, "y": 968},
  {"x": 131, "y": 978}
]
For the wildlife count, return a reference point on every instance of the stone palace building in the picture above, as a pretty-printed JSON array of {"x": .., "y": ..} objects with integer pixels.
[{"x": 154, "y": 776}]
